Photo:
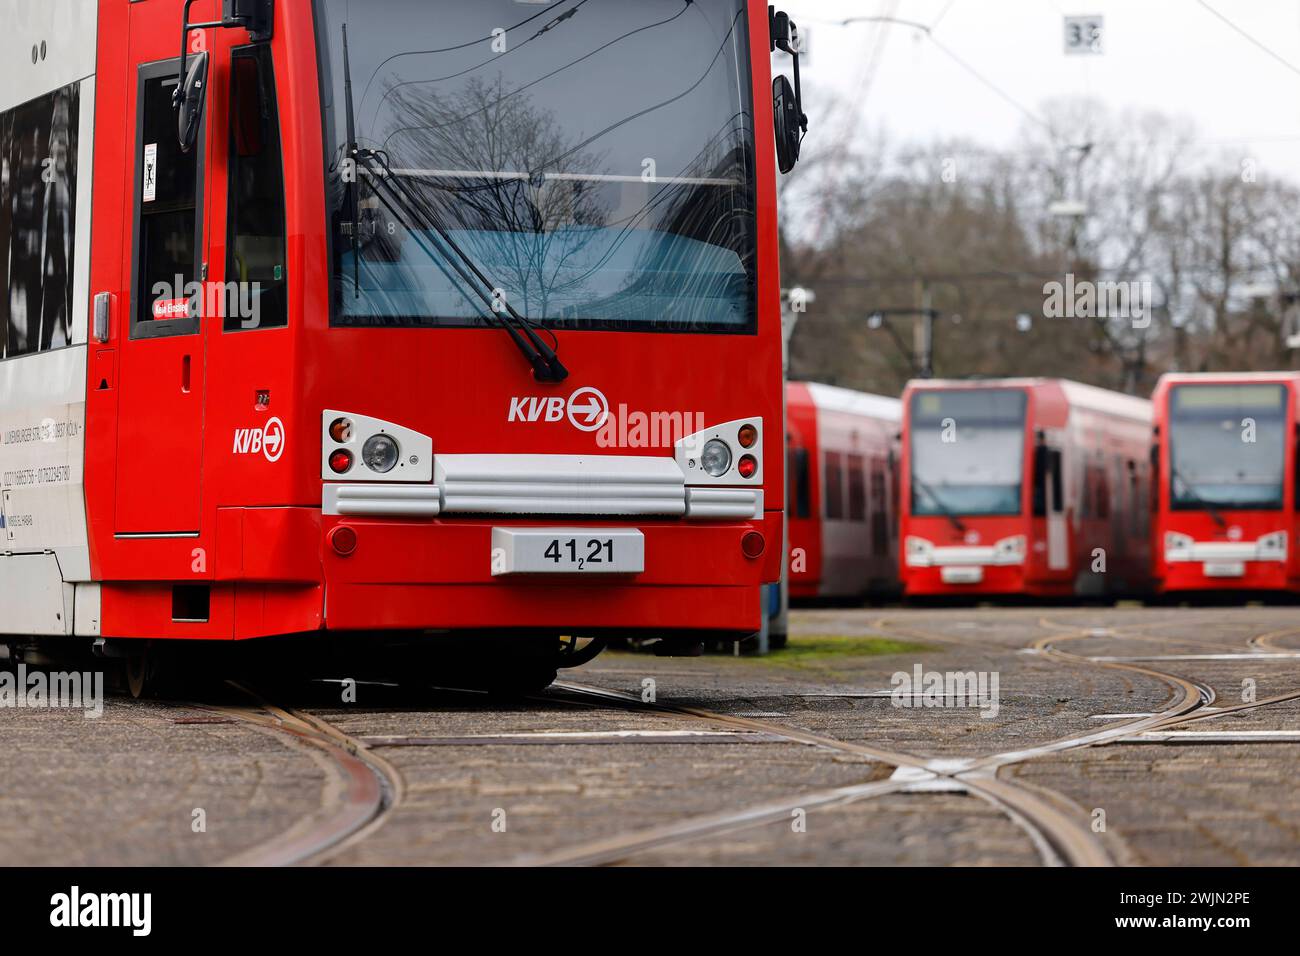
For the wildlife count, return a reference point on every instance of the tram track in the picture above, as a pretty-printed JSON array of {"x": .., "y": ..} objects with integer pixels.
[
  {"x": 1057, "y": 831},
  {"x": 367, "y": 787},
  {"x": 1059, "y": 839},
  {"x": 370, "y": 787}
]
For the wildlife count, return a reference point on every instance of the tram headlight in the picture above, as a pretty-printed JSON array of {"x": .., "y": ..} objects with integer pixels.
[
  {"x": 715, "y": 459},
  {"x": 1178, "y": 547},
  {"x": 1010, "y": 550},
  {"x": 919, "y": 552},
  {"x": 1271, "y": 547},
  {"x": 380, "y": 453}
]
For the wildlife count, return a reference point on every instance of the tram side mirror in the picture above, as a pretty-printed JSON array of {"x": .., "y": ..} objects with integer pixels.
[
  {"x": 255, "y": 16},
  {"x": 788, "y": 138},
  {"x": 787, "y": 99},
  {"x": 190, "y": 99}
]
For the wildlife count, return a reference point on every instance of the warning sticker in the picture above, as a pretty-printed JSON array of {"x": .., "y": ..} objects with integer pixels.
[
  {"x": 150, "y": 172},
  {"x": 170, "y": 310}
]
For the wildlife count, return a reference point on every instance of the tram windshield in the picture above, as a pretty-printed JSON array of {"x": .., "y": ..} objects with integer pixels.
[
  {"x": 968, "y": 450},
  {"x": 594, "y": 160},
  {"x": 1227, "y": 446}
]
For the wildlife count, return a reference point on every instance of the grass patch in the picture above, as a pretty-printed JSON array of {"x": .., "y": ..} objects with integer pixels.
[{"x": 827, "y": 648}]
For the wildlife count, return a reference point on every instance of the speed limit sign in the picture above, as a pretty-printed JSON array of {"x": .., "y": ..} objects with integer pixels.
[{"x": 1083, "y": 34}]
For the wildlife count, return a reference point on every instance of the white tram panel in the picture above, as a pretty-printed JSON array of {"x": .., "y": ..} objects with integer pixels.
[{"x": 46, "y": 47}]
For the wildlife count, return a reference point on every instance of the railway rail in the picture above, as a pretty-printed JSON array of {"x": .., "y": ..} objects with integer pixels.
[
  {"x": 1062, "y": 837},
  {"x": 369, "y": 787}
]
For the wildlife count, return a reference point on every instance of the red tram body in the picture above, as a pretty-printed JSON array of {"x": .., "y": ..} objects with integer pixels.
[
  {"x": 371, "y": 452},
  {"x": 1035, "y": 487},
  {"x": 1226, "y": 491},
  {"x": 842, "y": 475}
]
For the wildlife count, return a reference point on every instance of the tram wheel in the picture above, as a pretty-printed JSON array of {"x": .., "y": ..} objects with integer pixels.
[
  {"x": 137, "y": 670},
  {"x": 519, "y": 681},
  {"x": 146, "y": 675},
  {"x": 571, "y": 655}
]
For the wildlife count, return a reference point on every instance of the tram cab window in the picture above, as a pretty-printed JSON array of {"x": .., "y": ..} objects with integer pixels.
[
  {"x": 1295, "y": 476},
  {"x": 1040, "y": 480},
  {"x": 168, "y": 198},
  {"x": 1047, "y": 473},
  {"x": 256, "y": 218},
  {"x": 797, "y": 469},
  {"x": 1058, "y": 480}
]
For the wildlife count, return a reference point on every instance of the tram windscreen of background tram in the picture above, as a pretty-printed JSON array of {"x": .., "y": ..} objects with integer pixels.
[
  {"x": 968, "y": 452},
  {"x": 1227, "y": 446},
  {"x": 593, "y": 158}
]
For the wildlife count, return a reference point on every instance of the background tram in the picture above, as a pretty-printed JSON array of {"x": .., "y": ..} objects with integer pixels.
[
  {"x": 419, "y": 317},
  {"x": 1035, "y": 487},
  {"x": 842, "y": 470},
  {"x": 1225, "y": 497}
]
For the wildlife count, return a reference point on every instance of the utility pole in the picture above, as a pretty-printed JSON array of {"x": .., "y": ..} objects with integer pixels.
[
  {"x": 921, "y": 353},
  {"x": 923, "y": 331},
  {"x": 775, "y": 628}
]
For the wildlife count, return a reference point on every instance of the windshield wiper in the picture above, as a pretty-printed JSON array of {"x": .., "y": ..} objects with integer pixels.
[
  {"x": 1196, "y": 495},
  {"x": 354, "y": 187},
  {"x": 540, "y": 355},
  {"x": 543, "y": 358},
  {"x": 943, "y": 508}
]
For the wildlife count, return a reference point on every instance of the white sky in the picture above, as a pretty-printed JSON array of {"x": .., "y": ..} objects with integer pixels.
[{"x": 1171, "y": 55}]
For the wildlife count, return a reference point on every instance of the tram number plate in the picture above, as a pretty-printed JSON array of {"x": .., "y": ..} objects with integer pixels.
[
  {"x": 567, "y": 551},
  {"x": 961, "y": 574},
  {"x": 1225, "y": 569}
]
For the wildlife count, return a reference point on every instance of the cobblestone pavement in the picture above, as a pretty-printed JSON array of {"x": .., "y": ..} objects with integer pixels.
[
  {"x": 123, "y": 789},
  {"x": 481, "y": 787}
]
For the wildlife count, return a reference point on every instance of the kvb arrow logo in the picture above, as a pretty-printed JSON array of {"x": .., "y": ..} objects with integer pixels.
[
  {"x": 273, "y": 440},
  {"x": 588, "y": 409},
  {"x": 268, "y": 441}
]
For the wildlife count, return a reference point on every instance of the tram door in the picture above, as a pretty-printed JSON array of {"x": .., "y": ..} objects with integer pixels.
[{"x": 161, "y": 381}]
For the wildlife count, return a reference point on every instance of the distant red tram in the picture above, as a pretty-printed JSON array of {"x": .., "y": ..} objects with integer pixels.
[
  {"x": 842, "y": 469},
  {"x": 1029, "y": 486},
  {"x": 1225, "y": 498}
]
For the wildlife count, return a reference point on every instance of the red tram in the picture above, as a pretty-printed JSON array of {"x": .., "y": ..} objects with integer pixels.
[
  {"x": 260, "y": 361},
  {"x": 1034, "y": 487},
  {"x": 1226, "y": 489},
  {"x": 842, "y": 475}
]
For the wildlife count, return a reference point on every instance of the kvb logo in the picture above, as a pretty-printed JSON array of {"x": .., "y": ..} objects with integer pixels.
[
  {"x": 268, "y": 440},
  {"x": 586, "y": 409}
]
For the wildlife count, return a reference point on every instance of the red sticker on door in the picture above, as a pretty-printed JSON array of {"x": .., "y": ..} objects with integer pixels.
[{"x": 169, "y": 310}]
